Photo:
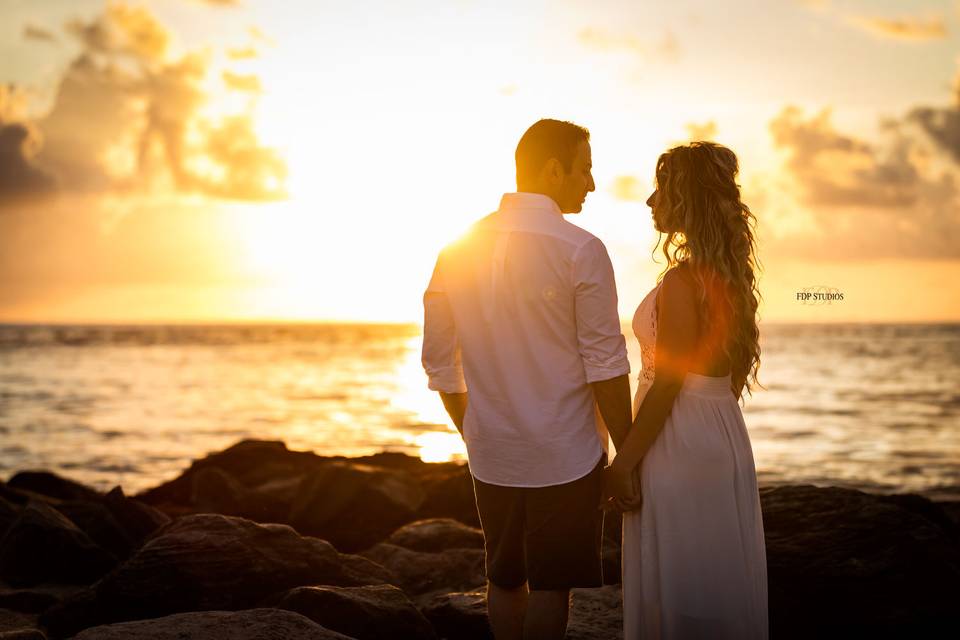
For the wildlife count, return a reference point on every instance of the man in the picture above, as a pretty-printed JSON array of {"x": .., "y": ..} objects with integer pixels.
[{"x": 522, "y": 313}]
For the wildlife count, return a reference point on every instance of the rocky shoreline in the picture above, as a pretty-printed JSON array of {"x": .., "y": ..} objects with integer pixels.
[{"x": 258, "y": 541}]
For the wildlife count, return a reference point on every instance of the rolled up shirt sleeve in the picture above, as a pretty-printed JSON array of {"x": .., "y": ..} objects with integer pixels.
[
  {"x": 601, "y": 343},
  {"x": 441, "y": 346}
]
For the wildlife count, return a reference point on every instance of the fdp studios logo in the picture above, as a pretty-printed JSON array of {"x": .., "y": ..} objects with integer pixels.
[{"x": 819, "y": 295}]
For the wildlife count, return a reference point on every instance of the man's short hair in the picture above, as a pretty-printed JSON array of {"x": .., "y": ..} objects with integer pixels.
[{"x": 548, "y": 139}]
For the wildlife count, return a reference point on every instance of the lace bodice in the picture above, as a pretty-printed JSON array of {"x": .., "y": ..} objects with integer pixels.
[{"x": 645, "y": 328}]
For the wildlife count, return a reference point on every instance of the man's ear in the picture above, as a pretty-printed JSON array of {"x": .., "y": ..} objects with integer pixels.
[{"x": 554, "y": 172}]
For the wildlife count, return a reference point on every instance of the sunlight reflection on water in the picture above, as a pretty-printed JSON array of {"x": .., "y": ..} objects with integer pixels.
[{"x": 868, "y": 406}]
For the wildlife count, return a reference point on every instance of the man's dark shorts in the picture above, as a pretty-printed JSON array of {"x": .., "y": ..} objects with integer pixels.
[{"x": 550, "y": 537}]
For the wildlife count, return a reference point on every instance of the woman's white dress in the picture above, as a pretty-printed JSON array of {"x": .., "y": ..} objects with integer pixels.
[{"x": 694, "y": 559}]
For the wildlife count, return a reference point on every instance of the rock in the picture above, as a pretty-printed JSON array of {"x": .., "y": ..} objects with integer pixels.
[
  {"x": 210, "y": 562},
  {"x": 94, "y": 519},
  {"x": 858, "y": 564},
  {"x": 23, "y": 634},
  {"x": 35, "y": 599},
  {"x": 50, "y": 484},
  {"x": 418, "y": 572},
  {"x": 214, "y": 490},
  {"x": 42, "y": 545},
  {"x": 596, "y": 614},
  {"x": 354, "y": 506},
  {"x": 17, "y": 621},
  {"x": 272, "y": 501},
  {"x": 365, "y": 613},
  {"x": 254, "y": 624},
  {"x": 138, "y": 519},
  {"x": 251, "y": 462},
  {"x": 8, "y": 513},
  {"x": 459, "y": 616},
  {"x": 449, "y": 494},
  {"x": 437, "y": 534}
]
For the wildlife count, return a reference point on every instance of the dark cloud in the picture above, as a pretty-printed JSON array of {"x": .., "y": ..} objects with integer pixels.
[
  {"x": 942, "y": 125},
  {"x": 882, "y": 199},
  {"x": 33, "y": 32},
  {"x": 833, "y": 169},
  {"x": 127, "y": 118},
  {"x": 19, "y": 177}
]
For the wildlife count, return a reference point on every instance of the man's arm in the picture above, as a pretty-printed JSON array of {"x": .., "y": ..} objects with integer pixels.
[
  {"x": 456, "y": 406},
  {"x": 613, "y": 400},
  {"x": 600, "y": 341},
  {"x": 441, "y": 350}
]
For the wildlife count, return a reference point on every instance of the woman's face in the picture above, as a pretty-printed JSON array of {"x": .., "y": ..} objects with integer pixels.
[{"x": 656, "y": 211}]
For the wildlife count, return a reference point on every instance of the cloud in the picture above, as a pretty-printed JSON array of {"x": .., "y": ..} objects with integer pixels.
[
  {"x": 19, "y": 177},
  {"x": 629, "y": 189},
  {"x": 942, "y": 125},
  {"x": 705, "y": 131},
  {"x": 667, "y": 48},
  {"x": 240, "y": 82},
  {"x": 864, "y": 199},
  {"x": 243, "y": 53},
  {"x": 905, "y": 28},
  {"x": 838, "y": 170},
  {"x": 33, "y": 32},
  {"x": 123, "y": 30},
  {"x": 117, "y": 127},
  {"x": 220, "y": 3}
]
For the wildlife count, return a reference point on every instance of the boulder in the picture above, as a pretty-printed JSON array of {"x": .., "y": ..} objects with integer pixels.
[
  {"x": 459, "y": 616},
  {"x": 23, "y": 634},
  {"x": 8, "y": 513},
  {"x": 365, "y": 613},
  {"x": 354, "y": 506},
  {"x": 254, "y": 624},
  {"x": 52, "y": 485},
  {"x": 419, "y": 572},
  {"x": 213, "y": 490},
  {"x": 858, "y": 564},
  {"x": 449, "y": 493},
  {"x": 35, "y": 599},
  {"x": 251, "y": 462},
  {"x": 95, "y": 519},
  {"x": 436, "y": 534},
  {"x": 42, "y": 545},
  {"x": 17, "y": 621},
  {"x": 138, "y": 519},
  {"x": 210, "y": 562}
]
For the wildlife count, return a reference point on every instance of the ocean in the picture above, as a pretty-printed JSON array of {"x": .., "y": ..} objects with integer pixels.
[{"x": 875, "y": 407}]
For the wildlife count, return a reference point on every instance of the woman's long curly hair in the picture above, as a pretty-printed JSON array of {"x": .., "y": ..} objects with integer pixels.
[{"x": 711, "y": 230}]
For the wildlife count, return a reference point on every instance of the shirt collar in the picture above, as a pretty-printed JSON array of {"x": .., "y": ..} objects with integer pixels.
[{"x": 523, "y": 200}]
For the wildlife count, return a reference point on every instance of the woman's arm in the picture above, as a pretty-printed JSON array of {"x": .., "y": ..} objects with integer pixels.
[{"x": 675, "y": 348}]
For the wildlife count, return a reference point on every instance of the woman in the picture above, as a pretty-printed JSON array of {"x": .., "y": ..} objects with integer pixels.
[{"x": 694, "y": 560}]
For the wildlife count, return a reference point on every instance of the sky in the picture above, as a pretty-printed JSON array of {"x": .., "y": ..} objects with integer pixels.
[{"x": 237, "y": 160}]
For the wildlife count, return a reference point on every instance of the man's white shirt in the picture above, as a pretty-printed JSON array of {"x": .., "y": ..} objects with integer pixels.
[{"x": 522, "y": 312}]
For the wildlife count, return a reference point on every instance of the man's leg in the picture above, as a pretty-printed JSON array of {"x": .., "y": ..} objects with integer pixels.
[
  {"x": 547, "y": 613},
  {"x": 506, "y": 609}
]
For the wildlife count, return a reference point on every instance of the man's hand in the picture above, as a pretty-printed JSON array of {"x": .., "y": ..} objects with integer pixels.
[
  {"x": 621, "y": 489},
  {"x": 456, "y": 406}
]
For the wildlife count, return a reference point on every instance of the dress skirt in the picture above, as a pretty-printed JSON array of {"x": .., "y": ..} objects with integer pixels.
[{"x": 694, "y": 558}]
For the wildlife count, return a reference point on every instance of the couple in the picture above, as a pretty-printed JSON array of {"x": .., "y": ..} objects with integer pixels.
[{"x": 522, "y": 340}]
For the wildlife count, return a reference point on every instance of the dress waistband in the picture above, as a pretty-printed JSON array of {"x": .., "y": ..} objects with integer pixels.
[{"x": 710, "y": 386}]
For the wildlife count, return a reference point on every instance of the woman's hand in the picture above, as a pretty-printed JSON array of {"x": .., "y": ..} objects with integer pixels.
[{"x": 621, "y": 488}]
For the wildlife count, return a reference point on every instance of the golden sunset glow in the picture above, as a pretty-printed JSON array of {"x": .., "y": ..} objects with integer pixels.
[{"x": 178, "y": 161}]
